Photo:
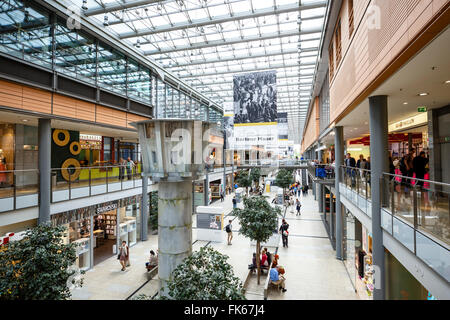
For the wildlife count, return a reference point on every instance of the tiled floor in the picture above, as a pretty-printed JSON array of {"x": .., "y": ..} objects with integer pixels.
[{"x": 312, "y": 271}]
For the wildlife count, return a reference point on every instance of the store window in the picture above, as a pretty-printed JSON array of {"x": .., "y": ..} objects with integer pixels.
[
  {"x": 91, "y": 146},
  {"x": 7, "y": 134}
]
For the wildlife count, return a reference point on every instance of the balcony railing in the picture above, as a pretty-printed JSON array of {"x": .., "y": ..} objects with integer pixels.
[
  {"x": 415, "y": 212},
  {"x": 20, "y": 188},
  {"x": 93, "y": 181}
]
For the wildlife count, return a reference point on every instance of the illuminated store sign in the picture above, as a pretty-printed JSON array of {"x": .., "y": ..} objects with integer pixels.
[{"x": 417, "y": 120}]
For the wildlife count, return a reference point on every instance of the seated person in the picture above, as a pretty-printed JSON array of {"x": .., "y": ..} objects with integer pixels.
[
  {"x": 253, "y": 266},
  {"x": 153, "y": 261},
  {"x": 275, "y": 261},
  {"x": 269, "y": 257},
  {"x": 264, "y": 264},
  {"x": 277, "y": 279}
]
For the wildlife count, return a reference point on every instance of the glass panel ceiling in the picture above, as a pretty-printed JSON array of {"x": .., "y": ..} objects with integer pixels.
[{"x": 206, "y": 42}]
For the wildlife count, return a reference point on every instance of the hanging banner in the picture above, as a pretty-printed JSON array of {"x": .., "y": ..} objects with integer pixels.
[
  {"x": 255, "y": 111},
  {"x": 228, "y": 120},
  {"x": 282, "y": 132}
]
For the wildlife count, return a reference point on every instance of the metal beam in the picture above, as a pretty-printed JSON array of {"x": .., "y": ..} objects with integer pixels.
[
  {"x": 226, "y": 18},
  {"x": 119, "y": 6},
  {"x": 216, "y": 43},
  {"x": 263, "y": 55},
  {"x": 278, "y": 66}
]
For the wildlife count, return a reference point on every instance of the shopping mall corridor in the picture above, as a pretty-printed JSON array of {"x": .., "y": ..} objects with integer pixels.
[{"x": 312, "y": 271}]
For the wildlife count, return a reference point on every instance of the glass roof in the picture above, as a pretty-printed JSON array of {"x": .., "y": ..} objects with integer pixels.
[{"x": 206, "y": 42}]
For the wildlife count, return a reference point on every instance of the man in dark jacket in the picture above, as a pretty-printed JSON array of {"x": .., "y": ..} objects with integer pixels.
[
  {"x": 284, "y": 227},
  {"x": 419, "y": 164}
]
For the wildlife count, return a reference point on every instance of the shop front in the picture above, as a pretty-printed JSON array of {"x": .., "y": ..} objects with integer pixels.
[
  {"x": 99, "y": 229},
  {"x": 357, "y": 249}
]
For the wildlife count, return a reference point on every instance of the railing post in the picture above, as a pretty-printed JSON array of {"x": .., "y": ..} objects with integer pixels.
[
  {"x": 107, "y": 179},
  {"x": 89, "y": 181},
  {"x": 14, "y": 189},
  {"x": 70, "y": 186},
  {"x": 51, "y": 186},
  {"x": 415, "y": 215}
]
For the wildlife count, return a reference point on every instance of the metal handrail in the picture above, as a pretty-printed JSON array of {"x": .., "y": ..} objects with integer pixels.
[
  {"x": 356, "y": 168},
  {"x": 414, "y": 178}
]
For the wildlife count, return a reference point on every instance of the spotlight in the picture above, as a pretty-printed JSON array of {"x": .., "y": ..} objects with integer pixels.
[
  {"x": 84, "y": 6},
  {"x": 105, "y": 21}
]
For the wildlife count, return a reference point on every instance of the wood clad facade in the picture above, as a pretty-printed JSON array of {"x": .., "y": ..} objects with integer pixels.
[
  {"x": 22, "y": 97},
  {"x": 385, "y": 35}
]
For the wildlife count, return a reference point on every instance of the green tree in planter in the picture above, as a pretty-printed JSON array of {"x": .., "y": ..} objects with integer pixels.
[
  {"x": 255, "y": 175},
  {"x": 153, "y": 215},
  {"x": 243, "y": 180},
  {"x": 205, "y": 275},
  {"x": 38, "y": 267},
  {"x": 258, "y": 221},
  {"x": 284, "y": 179}
]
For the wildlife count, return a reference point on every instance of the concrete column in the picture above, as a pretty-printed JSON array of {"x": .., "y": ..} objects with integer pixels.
[
  {"x": 174, "y": 228},
  {"x": 45, "y": 159},
  {"x": 379, "y": 164},
  {"x": 331, "y": 224},
  {"x": 144, "y": 208},
  {"x": 339, "y": 156},
  {"x": 320, "y": 189}
]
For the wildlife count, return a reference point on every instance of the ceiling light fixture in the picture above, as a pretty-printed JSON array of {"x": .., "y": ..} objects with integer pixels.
[
  {"x": 105, "y": 21},
  {"x": 423, "y": 94},
  {"x": 405, "y": 102},
  {"x": 84, "y": 6},
  {"x": 447, "y": 82}
]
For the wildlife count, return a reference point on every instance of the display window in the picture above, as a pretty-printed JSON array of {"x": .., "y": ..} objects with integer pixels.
[
  {"x": 104, "y": 235},
  {"x": 91, "y": 146},
  {"x": 127, "y": 226}
]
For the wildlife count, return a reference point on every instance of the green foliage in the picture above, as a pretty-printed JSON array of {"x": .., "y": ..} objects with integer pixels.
[
  {"x": 205, "y": 275},
  {"x": 255, "y": 174},
  {"x": 258, "y": 219},
  {"x": 243, "y": 179},
  {"x": 153, "y": 215},
  {"x": 284, "y": 178},
  {"x": 38, "y": 267}
]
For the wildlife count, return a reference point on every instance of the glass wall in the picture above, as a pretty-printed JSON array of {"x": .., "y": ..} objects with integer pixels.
[{"x": 28, "y": 32}]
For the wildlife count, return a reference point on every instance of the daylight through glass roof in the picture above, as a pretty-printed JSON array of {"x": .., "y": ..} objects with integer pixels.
[{"x": 206, "y": 42}]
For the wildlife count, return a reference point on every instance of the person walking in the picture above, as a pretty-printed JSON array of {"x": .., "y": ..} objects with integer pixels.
[
  {"x": 130, "y": 166},
  {"x": 234, "y": 202},
  {"x": 122, "y": 165},
  {"x": 229, "y": 230},
  {"x": 221, "y": 196},
  {"x": 284, "y": 233},
  {"x": 124, "y": 255},
  {"x": 298, "y": 206}
]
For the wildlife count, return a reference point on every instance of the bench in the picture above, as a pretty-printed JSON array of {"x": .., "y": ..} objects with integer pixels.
[
  {"x": 152, "y": 272},
  {"x": 268, "y": 283}
]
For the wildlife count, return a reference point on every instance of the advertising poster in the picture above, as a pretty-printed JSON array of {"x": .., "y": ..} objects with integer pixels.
[
  {"x": 282, "y": 133},
  {"x": 255, "y": 110},
  {"x": 228, "y": 119}
]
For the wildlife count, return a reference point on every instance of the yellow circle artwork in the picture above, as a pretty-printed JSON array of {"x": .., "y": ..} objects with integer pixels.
[
  {"x": 77, "y": 150},
  {"x": 65, "y": 172},
  {"x": 56, "y": 139}
]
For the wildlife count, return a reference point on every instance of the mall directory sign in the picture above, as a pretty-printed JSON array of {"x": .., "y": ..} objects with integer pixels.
[{"x": 176, "y": 149}]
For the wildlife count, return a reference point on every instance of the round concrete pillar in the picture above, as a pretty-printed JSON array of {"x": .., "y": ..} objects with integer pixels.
[{"x": 174, "y": 228}]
